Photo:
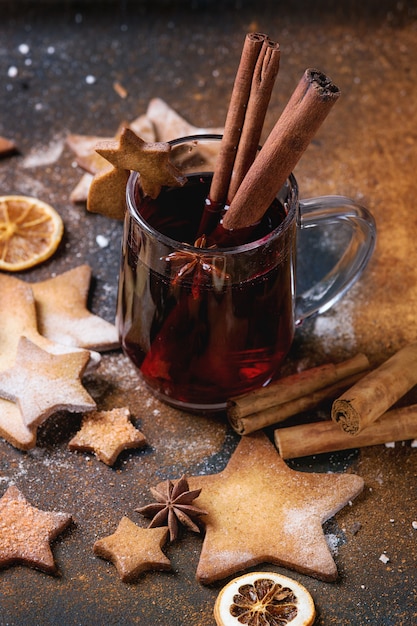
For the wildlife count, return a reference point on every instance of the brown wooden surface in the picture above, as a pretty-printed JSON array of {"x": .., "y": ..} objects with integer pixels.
[{"x": 187, "y": 54}]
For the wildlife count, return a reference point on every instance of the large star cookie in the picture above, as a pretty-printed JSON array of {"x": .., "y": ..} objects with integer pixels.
[
  {"x": 107, "y": 434},
  {"x": 259, "y": 510},
  {"x": 61, "y": 307},
  {"x": 134, "y": 550},
  {"x": 26, "y": 532}
]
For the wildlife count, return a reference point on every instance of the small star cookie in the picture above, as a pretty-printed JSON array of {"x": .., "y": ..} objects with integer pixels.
[
  {"x": 160, "y": 123},
  {"x": 107, "y": 434},
  {"x": 26, "y": 532},
  {"x": 151, "y": 160},
  {"x": 134, "y": 550}
]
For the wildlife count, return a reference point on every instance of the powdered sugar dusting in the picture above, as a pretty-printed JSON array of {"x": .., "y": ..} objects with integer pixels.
[
  {"x": 335, "y": 328},
  {"x": 45, "y": 155}
]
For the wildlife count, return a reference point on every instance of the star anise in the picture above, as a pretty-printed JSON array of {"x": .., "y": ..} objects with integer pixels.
[
  {"x": 197, "y": 266},
  {"x": 173, "y": 507}
]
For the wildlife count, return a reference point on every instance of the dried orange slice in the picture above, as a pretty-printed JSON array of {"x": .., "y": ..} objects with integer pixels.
[
  {"x": 30, "y": 232},
  {"x": 265, "y": 598}
]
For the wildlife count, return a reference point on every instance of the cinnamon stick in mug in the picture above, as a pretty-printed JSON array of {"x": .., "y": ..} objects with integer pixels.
[
  {"x": 235, "y": 116},
  {"x": 252, "y": 89},
  {"x": 263, "y": 80},
  {"x": 376, "y": 392},
  {"x": 306, "y": 110},
  {"x": 326, "y": 436}
]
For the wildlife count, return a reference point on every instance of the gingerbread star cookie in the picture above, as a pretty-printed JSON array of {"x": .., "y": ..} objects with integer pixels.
[
  {"x": 134, "y": 550},
  {"x": 107, "y": 192},
  {"x": 18, "y": 319},
  {"x": 107, "y": 434},
  {"x": 63, "y": 317},
  {"x": 42, "y": 383},
  {"x": 84, "y": 146},
  {"x": 26, "y": 532},
  {"x": 161, "y": 123},
  {"x": 151, "y": 160},
  {"x": 259, "y": 510}
]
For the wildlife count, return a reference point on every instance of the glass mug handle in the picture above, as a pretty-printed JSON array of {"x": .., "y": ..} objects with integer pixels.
[{"x": 315, "y": 212}]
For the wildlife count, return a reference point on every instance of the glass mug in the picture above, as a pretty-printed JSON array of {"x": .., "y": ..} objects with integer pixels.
[{"x": 206, "y": 324}]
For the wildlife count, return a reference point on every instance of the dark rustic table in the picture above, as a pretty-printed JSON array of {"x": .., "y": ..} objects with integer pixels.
[{"x": 60, "y": 82}]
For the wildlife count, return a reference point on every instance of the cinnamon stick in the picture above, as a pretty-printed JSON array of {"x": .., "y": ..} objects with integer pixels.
[
  {"x": 320, "y": 437},
  {"x": 263, "y": 80},
  {"x": 306, "y": 110},
  {"x": 235, "y": 117},
  {"x": 281, "y": 412},
  {"x": 374, "y": 394},
  {"x": 295, "y": 386}
]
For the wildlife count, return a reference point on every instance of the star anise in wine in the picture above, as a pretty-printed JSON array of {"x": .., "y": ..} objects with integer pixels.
[
  {"x": 173, "y": 507},
  {"x": 200, "y": 267}
]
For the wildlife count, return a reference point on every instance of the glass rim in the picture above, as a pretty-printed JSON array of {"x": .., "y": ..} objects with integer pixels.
[{"x": 174, "y": 243}]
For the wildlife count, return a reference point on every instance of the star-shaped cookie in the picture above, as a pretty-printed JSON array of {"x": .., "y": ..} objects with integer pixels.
[
  {"x": 84, "y": 146},
  {"x": 18, "y": 318},
  {"x": 151, "y": 160},
  {"x": 134, "y": 550},
  {"x": 107, "y": 192},
  {"x": 107, "y": 434},
  {"x": 42, "y": 383},
  {"x": 62, "y": 314},
  {"x": 26, "y": 532},
  {"x": 160, "y": 123},
  {"x": 259, "y": 510}
]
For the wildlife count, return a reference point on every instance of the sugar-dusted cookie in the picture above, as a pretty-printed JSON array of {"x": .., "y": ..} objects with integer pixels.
[
  {"x": 42, "y": 383},
  {"x": 107, "y": 434},
  {"x": 26, "y": 532},
  {"x": 18, "y": 319},
  {"x": 134, "y": 550},
  {"x": 61, "y": 308},
  {"x": 261, "y": 511}
]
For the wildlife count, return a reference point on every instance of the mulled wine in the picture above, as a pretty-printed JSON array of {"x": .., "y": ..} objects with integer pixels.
[{"x": 204, "y": 324}]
